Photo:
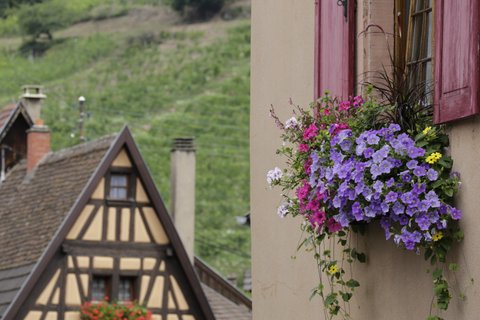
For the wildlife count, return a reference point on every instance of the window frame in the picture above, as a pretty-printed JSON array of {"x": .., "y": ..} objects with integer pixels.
[
  {"x": 415, "y": 68},
  {"x": 131, "y": 185},
  {"x": 108, "y": 286}
]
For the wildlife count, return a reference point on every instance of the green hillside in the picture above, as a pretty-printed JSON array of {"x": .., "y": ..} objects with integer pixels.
[{"x": 164, "y": 79}]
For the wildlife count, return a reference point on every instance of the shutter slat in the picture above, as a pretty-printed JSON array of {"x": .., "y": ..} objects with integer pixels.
[
  {"x": 457, "y": 63},
  {"x": 334, "y": 48}
]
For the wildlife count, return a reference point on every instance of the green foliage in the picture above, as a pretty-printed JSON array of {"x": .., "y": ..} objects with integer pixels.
[
  {"x": 197, "y": 8},
  {"x": 6, "y": 6},
  {"x": 44, "y": 18},
  {"x": 191, "y": 86},
  {"x": 36, "y": 17}
]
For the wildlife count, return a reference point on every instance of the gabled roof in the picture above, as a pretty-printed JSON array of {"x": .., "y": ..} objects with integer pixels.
[
  {"x": 8, "y": 115},
  {"x": 37, "y": 210},
  {"x": 32, "y": 208},
  {"x": 73, "y": 206},
  {"x": 225, "y": 299}
]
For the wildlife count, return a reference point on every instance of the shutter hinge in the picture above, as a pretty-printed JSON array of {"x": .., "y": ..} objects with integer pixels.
[{"x": 343, "y": 3}]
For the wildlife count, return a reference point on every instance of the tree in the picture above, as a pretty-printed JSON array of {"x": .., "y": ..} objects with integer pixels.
[
  {"x": 197, "y": 8},
  {"x": 42, "y": 19},
  {"x": 6, "y": 5}
]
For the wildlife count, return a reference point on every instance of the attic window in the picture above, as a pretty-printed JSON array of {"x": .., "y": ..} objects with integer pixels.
[{"x": 118, "y": 186}]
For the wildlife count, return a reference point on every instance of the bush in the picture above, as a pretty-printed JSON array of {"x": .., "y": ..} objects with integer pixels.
[{"x": 197, "y": 9}]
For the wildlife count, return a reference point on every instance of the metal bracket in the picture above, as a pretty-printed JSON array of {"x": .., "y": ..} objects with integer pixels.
[{"x": 343, "y": 3}]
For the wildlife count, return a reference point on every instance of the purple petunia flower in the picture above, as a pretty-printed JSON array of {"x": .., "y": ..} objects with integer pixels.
[
  {"x": 372, "y": 138},
  {"x": 407, "y": 197},
  {"x": 342, "y": 218},
  {"x": 412, "y": 164},
  {"x": 432, "y": 174},
  {"x": 423, "y": 222},
  {"x": 386, "y": 224},
  {"x": 375, "y": 170},
  {"x": 414, "y": 152},
  {"x": 419, "y": 171},
  {"x": 406, "y": 177},
  {"x": 394, "y": 127},
  {"x": 386, "y": 166},
  {"x": 378, "y": 186},
  {"x": 390, "y": 182},
  {"x": 381, "y": 154},
  {"x": 398, "y": 208},
  {"x": 432, "y": 198},
  {"x": 391, "y": 197},
  {"x": 357, "y": 211},
  {"x": 456, "y": 214},
  {"x": 403, "y": 220},
  {"x": 368, "y": 152}
]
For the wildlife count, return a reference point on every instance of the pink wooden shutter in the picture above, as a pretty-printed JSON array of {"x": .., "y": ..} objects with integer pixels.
[
  {"x": 334, "y": 48},
  {"x": 456, "y": 58}
]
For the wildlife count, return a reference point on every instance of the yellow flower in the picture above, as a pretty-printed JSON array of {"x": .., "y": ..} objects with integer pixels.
[
  {"x": 437, "y": 236},
  {"x": 333, "y": 269},
  {"x": 427, "y": 130},
  {"x": 434, "y": 157}
]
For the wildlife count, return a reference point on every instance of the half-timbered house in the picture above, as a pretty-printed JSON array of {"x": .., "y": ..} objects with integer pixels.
[{"x": 86, "y": 223}]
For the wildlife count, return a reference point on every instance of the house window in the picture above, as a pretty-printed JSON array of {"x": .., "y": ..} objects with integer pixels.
[
  {"x": 126, "y": 289},
  {"x": 414, "y": 45},
  {"x": 101, "y": 287},
  {"x": 118, "y": 186}
]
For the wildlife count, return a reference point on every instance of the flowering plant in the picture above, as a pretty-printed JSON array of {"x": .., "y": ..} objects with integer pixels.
[
  {"x": 114, "y": 311},
  {"x": 347, "y": 174}
]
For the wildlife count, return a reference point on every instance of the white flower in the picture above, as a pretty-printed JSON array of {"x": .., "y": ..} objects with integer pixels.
[
  {"x": 283, "y": 210},
  {"x": 291, "y": 123},
  {"x": 274, "y": 175}
]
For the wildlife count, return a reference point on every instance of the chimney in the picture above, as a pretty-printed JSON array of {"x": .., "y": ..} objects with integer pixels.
[
  {"x": 38, "y": 144},
  {"x": 32, "y": 98},
  {"x": 183, "y": 191}
]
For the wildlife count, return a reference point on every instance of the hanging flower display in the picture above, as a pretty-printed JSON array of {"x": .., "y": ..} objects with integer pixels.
[{"x": 347, "y": 169}]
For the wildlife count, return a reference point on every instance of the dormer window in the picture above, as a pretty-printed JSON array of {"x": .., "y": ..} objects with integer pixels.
[{"x": 118, "y": 186}]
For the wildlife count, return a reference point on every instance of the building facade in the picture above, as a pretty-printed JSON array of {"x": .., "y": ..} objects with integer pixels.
[{"x": 299, "y": 49}]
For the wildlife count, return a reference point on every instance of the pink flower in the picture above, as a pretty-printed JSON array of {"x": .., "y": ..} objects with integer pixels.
[
  {"x": 344, "y": 105},
  {"x": 317, "y": 219},
  {"x": 303, "y": 147},
  {"x": 358, "y": 101},
  {"x": 306, "y": 165},
  {"x": 310, "y": 132},
  {"x": 333, "y": 226},
  {"x": 303, "y": 191}
]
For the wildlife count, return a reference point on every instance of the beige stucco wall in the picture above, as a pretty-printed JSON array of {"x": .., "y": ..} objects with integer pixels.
[
  {"x": 394, "y": 283},
  {"x": 281, "y": 64}
]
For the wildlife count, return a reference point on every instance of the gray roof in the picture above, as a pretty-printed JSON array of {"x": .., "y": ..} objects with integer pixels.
[
  {"x": 225, "y": 309},
  {"x": 33, "y": 206},
  {"x": 10, "y": 282}
]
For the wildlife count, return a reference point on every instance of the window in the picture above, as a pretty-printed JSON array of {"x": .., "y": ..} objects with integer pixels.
[
  {"x": 438, "y": 48},
  {"x": 419, "y": 45},
  {"x": 126, "y": 289},
  {"x": 118, "y": 186},
  {"x": 101, "y": 287},
  {"x": 414, "y": 45}
]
